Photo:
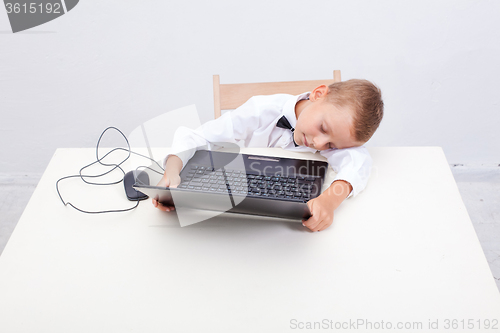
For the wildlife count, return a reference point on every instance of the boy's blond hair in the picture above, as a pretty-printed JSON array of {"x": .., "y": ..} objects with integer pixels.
[{"x": 365, "y": 99}]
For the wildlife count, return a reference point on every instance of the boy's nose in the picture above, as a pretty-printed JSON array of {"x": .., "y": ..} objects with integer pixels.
[{"x": 319, "y": 142}]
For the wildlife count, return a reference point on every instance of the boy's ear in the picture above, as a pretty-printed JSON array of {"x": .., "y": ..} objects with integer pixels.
[{"x": 318, "y": 92}]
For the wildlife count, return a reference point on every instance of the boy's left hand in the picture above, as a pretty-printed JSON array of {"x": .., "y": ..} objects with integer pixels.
[
  {"x": 324, "y": 205},
  {"x": 322, "y": 213}
]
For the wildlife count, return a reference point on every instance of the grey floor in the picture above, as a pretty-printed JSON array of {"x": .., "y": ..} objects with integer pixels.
[{"x": 479, "y": 187}]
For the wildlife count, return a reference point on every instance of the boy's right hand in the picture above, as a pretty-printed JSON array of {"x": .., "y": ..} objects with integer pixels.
[{"x": 167, "y": 181}]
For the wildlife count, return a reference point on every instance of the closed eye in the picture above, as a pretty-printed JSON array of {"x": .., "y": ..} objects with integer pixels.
[{"x": 324, "y": 130}]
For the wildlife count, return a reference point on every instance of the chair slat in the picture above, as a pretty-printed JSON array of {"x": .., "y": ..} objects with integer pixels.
[{"x": 231, "y": 96}]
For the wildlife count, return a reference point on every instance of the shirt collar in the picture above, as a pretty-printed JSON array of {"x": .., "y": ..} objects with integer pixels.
[
  {"x": 289, "y": 108},
  {"x": 289, "y": 112}
]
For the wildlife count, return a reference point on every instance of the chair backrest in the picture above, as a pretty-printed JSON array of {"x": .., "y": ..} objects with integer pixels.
[{"x": 231, "y": 96}]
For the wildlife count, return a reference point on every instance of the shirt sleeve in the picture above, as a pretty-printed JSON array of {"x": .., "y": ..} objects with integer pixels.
[
  {"x": 232, "y": 127},
  {"x": 352, "y": 165}
]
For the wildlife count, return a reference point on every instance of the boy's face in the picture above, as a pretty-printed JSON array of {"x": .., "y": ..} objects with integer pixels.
[{"x": 322, "y": 125}]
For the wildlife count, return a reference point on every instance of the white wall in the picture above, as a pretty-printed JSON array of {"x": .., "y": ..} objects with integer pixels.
[{"x": 123, "y": 62}]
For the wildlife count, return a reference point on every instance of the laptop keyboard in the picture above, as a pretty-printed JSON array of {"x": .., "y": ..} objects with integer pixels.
[{"x": 205, "y": 179}]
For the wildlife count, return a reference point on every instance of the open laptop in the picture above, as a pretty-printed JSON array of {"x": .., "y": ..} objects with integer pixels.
[{"x": 241, "y": 183}]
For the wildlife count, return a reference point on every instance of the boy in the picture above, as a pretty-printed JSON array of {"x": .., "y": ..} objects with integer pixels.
[{"x": 336, "y": 120}]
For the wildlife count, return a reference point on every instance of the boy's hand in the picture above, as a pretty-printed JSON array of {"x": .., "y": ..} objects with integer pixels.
[
  {"x": 167, "y": 181},
  {"x": 324, "y": 205},
  {"x": 322, "y": 213},
  {"x": 170, "y": 178}
]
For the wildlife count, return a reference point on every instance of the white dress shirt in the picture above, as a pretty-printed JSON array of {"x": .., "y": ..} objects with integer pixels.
[{"x": 254, "y": 125}]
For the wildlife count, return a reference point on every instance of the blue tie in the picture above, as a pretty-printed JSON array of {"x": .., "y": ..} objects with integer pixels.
[{"x": 284, "y": 123}]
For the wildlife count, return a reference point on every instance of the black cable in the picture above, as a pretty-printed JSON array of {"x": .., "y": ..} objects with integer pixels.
[{"x": 114, "y": 167}]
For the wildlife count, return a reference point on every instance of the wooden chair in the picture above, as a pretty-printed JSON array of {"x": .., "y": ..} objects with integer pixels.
[{"x": 231, "y": 96}]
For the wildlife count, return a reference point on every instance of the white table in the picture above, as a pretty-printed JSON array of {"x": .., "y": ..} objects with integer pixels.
[{"x": 403, "y": 252}]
